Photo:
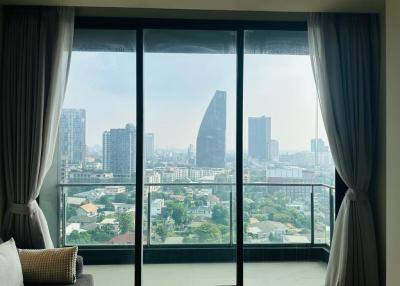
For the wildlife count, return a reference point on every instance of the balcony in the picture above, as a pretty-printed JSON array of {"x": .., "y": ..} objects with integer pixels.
[
  {"x": 195, "y": 222},
  {"x": 207, "y": 274}
]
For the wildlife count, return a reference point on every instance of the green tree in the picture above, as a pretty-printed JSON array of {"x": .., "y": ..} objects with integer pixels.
[
  {"x": 104, "y": 200},
  {"x": 109, "y": 207},
  {"x": 162, "y": 231},
  {"x": 225, "y": 232},
  {"x": 220, "y": 215},
  {"x": 103, "y": 234},
  {"x": 209, "y": 233},
  {"x": 126, "y": 222},
  {"x": 178, "y": 190},
  {"x": 178, "y": 212},
  {"x": 71, "y": 211},
  {"x": 100, "y": 217},
  {"x": 77, "y": 238},
  {"x": 200, "y": 201},
  {"x": 121, "y": 198}
]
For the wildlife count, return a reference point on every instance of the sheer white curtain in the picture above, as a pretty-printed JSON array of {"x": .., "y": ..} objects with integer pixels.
[
  {"x": 35, "y": 63},
  {"x": 344, "y": 50}
]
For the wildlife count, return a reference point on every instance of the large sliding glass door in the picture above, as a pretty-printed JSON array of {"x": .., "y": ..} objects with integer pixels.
[
  {"x": 287, "y": 159},
  {"x": 194, "y": 149},
  {"x": 190, "y": 153},
  {"x": 97, "y": 149}
]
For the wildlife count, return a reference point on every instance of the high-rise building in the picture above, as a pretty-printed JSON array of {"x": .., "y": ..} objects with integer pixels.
[
  {"x": 72, "y": 136},
  {"x": 210, "y": 144},
  {"x": 149, "y": 146},
  {"x": 190, "y": 159},
  {"x": 119, "y": 151},
  {"x": 274, "y": 150},
  {"x": 318, "y": 145},
  {"x": 259, "y": 136}
]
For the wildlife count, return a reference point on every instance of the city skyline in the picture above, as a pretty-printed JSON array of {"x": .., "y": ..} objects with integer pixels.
[
  {"x": 271, "y": 145},
  {"x": 110, "y": 84}
]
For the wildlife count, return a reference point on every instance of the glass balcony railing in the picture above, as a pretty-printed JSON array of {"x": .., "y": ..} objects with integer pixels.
[{"x": 197, "y": 214}]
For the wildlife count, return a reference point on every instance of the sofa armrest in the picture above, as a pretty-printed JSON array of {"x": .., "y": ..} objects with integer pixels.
[{"x": 79, "y": 266}]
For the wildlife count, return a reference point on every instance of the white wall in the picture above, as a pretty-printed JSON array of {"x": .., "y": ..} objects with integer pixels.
[{"x": 393, "y": 142}]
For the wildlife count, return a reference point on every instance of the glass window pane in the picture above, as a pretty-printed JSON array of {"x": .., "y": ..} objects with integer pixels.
[
  {"x": 190, "y": 96},
  {"x": 97, "y": 140},
  {"x": 286, "y": 151}
]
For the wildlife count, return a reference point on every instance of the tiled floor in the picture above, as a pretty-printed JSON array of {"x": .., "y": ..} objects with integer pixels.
[{"x": 212, "y": 274}]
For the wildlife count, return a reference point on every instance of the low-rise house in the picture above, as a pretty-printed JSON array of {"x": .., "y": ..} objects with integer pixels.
[
  {"x": 202, "y": 211},
  {"x": 156, "y": 207},
  {"x": 90, "y": 226},
  {"x": 92, "y": 195},
  {"x": 89, "y": 210},
  {"x": 213, "y": 200},
  {"x": 126, "y": 238},
  {"x": 111, "y": 223},
  {"x": 264, "y": 230},
  {"x": 123, "y": 207},
  {"x": 73, "y": 227},
  {"x": 254, "y": 231},
  {"x": 76, "y": 202},
  {"x": 82, "y": 219},
  {"x": 253, "y": 220},
  {"x": 112, "y": 190}
]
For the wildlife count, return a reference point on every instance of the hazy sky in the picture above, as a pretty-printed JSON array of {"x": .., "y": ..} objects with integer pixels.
[{"x": 179, "y": 87}]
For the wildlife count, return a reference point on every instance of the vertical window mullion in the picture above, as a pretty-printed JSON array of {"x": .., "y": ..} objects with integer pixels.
[
  {"x": 139, "y": 159},
  {"x": 239, "y": 157}
]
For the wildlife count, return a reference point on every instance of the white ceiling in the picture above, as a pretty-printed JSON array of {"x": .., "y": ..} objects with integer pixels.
[{"x": 227, "y": 5}]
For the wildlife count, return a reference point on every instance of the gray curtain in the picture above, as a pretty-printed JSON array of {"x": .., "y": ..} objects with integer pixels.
[
  {"x": 36, "y": 55},
  {"x": 344, "y": 50}
]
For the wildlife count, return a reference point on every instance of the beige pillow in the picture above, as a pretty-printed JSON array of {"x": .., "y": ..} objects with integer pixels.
[{"x": 56, "y": 265}]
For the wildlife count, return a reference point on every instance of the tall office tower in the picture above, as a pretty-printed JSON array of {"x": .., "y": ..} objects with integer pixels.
[
  {"x": 210, "y": 144},
  {"x": 274, "y": 150},
  {"x": 190, "y": 159},
  {"x": 149, "y": 146},
  {"x": 259, "y": 137},
  {"x": 119, "y": 151},
  {"x": 318, "y": 145},
  {"x": 72, "y": 136}
]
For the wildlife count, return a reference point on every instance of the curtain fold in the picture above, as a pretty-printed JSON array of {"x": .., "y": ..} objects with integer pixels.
[
  {"x": 344, "y": 51},
  {"x": 35, "y": 57}
]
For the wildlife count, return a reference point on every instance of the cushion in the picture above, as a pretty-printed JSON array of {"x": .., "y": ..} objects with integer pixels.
[
  {"x": 79, "y": 266},
  {"x": 10, "y": 266},
  {"x": 56, "y": 265}
]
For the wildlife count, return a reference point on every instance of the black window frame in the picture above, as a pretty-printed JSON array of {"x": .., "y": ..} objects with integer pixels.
[{"x": 203, "y": 253}]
